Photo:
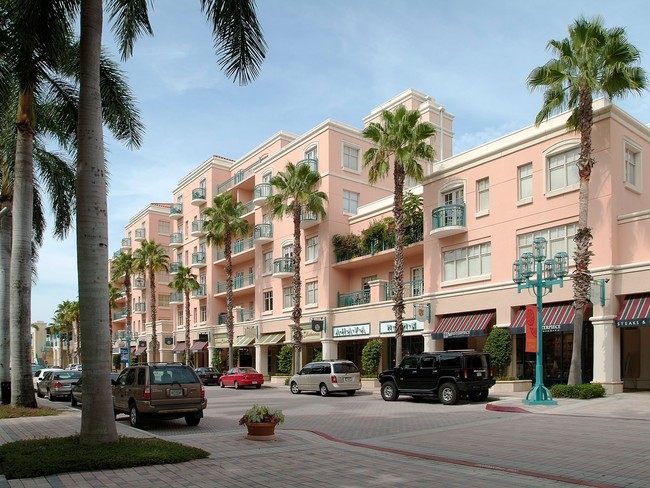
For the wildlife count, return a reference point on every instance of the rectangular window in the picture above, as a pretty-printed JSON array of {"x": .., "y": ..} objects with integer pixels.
[
  {"x": 163, "y": 227},
  {"x": 350, "y": 202},
  {"x": 268, "y": 262},
  {"x": 287, "y": 301},
  {"x": 311, "y": 294},
  {"x": 312, "y": 153},
  {"x": 563, "y": 170},
  {"x": 204, "y": 313},
  {"x": 350, "y": 157},
  {"x": 525, "y": 181},
  {"x": 483, "y": 195},
  {"x": 194, "y": 310},
  {"x": 163, "y": 300},
  {"x": 312, "y": 249},
  {"x": 179, "y": 318},
  {"x": 632, "y": 169},
  {"x": 559, "y": 239},
  {"x": 467, "y": 262},
  {"x": 268, "y": 301},
  {"x": 163, "y": 277}
]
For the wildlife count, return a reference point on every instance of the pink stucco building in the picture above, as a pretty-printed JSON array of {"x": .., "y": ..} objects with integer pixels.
[{"x": 481, "y": 209}]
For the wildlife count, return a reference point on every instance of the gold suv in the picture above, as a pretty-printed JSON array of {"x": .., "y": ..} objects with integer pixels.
[{"x": 161, "y": 390}]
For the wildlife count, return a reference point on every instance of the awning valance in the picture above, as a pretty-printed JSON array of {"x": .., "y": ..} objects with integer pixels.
[
  {"x": 198, "y": 346},
  {"x": 556, "y": 317},
  {"x": 243, "y": 341},
  {"x": 140, "y": 350},
  {"x": 462, "y": 325},
  {"x": 179, "y": 348},
  {"x": 635, "y": 311},
  {"x": 270, "y": 339}
]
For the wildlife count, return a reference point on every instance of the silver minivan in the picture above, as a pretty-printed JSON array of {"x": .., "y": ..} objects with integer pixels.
[{"x": 327, "y": 377}]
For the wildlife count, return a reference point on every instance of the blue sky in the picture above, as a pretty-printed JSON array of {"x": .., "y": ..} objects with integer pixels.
[{"x": 327, "y": 59}]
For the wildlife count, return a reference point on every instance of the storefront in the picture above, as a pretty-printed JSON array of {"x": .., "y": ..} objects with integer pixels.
[
  {"x": 272, "y": 344},
  {"x": 634, "y": 321},
  {"x": 412, "y": 340},
  {"x": 351, "y": 340},
  {"x": 464, "y": 331}
]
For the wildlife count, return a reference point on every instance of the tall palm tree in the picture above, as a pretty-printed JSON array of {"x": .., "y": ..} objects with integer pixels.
[
  {"x": 114, "y": 294},
  {"x": 124, "y": 265},
  {"x": 593, "y": 60},
  {"x": 64, "y": 317},
  {"x": 240, "y": 44},
  {"x": 404, "y": 140},
  {"x": 151, "y": 257},
  {"x": 185, "y": 282},
  {"x": 223, "y": 223},
  {"x": 295, "y": 193}
]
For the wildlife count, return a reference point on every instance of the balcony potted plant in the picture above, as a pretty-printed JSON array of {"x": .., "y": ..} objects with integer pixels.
[{"x": 260, "y": 420}]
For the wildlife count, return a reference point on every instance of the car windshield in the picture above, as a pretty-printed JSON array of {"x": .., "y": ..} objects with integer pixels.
[
  {"x": 345, "y": 368},
  {"x": 67, "y": 375},
  {"x": 247, "y": 370}
]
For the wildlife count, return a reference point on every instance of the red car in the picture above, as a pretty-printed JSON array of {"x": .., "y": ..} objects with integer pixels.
[{"x": 239, "y": 377}]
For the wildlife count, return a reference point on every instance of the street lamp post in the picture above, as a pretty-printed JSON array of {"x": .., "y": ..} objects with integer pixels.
[{"x": 533, "y": 271}]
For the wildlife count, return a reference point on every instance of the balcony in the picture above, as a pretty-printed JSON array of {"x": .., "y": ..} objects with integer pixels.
[
  {"x": 308, "y": 219},
  {"x": 261, "y": 192},
  {"x": 140, "y": 307},
  {"x": 200, "y": 292},
  {"x": 198, "y": 197},
  {"x": 242, "y": 245},
  {"x": 448, "y": 220},
  {"x": 173, "y": 267},
  {"x": 175, "y": 297},
  {"x": 262, "y": 234},
  {"x": 120, "y": 315},
  {"x": 411, "y": 289},
  {"x": 175, "y": 240},
  {"x": 313, "y": 163},
  {"x": 352, "y": 298},
  {"x": 117, "y": 254},
  {"x": 247, "y": 208},
  {"x": 140, "y": 234},
  {"x": 198, "y": 259},
  {"x": 139, "y": 283},
  {"x": 246, "y": 315},
  {"x": 176, "y": 211},
  {"x": 283, "y": 267},
  {"x": 126, "y": 244},
  {"x": 197, "y": 228},
  {"x": 238, "y": 282},
  {"x": 236, "y": 251},
  {"x": 221, "y": 319}
]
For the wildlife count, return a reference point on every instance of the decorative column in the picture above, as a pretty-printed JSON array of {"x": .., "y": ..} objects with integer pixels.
[{"x": 607, "y": 354}]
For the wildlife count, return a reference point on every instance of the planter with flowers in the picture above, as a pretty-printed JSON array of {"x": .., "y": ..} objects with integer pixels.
[{"x": 260, "y": 420}]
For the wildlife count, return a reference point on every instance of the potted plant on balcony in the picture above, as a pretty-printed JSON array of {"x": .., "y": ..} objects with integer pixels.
[{"x": 260, "y": 420}]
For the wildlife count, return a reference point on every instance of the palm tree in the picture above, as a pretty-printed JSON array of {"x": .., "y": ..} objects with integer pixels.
[
  {"x": 223, "y": 223},
  {"x": 593, "y": 60},
  {"x": 152, "y": 257},
  {"x": 405, "y": 140},
  {"x": 124, "y": 265},
  {"x": 185, "y": 282},
  {"x": 114, "y": 294},
  {"x": 64, "y": 321},
  {"x": 240, "y": 44},
  {"x": 295, "y": 194}
]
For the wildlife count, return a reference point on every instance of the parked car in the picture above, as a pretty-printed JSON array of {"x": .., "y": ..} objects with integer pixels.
[
  {"x": 74, "y": 367},
  {"x": 445, "y": 374},
  {"x": 75, "y": 390},
  {"x": 208, "y": 376},
  {"x": 162, "y": 390},
  {"x": 40, "y": 374},
  {"x": 327, "y": 377},
  {"x": 57, "y": 384},
  {"x": 241, "y": 376}
]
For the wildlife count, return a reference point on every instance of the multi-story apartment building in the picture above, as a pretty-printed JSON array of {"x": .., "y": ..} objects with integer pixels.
[{"x": 482, "y": 208}]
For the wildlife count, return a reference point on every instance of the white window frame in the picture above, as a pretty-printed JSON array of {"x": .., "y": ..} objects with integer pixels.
[
  {"x": 266, "y": 177},
  {"x": 267, "y": 301},
  {"x": 179, "y": 317},
  {"x": 558, "y": 239},
  {"x": 472, "y": 263},
  {"x": 482, "y": 197},
  {"x": 164, "y": 227},
  {"x": 204, "y": 313},
  {"x": 525, "y": 182},
  {"x": 312, "y": 249},
  {"x": 347, "y": 194},
  {"x": 634, "y": 182},
  {"x": 346, "y": 158},
  {"x": 562, "y": 156},
  {"x": 287, "y": 297},
  {"x": 452, "y": 193},
  {"x": 311, "y": 152},
  {"x": 267, "y": 263},
  {"x": 163, "y": 300},
  {"x": 311, "y": 293}
]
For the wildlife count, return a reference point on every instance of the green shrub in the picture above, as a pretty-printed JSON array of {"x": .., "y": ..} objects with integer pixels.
[
  {"x": 285, "y": 359},
  {"x": 346, "y": 246},
  {"x": 499, "y": 347},
  {"x": 583, "y": 392},
  {"x": 370, "y": 357},
  {"x": 318, "y": 356},
  {"x": 116, "y": 362}
]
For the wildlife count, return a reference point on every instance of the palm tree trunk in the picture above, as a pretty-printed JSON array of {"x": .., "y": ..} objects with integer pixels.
[
  {"x": 398, "y": 275},
  {"x": 5, "y": 260},
  {"x": 230, "y": 326},
  {"x": 154, "y": 333},
  {"x": 296, "y": 314},
  {"x": 187, "y": 327},
  {"x": 97, "y": 419},
  {"x": 129, "y": 325},
  {"x": 22, "y": 393}
]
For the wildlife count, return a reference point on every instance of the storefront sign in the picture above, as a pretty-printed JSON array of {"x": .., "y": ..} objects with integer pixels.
[
  {"x": 456, "y": 333},
  {"x": 351, "y": 330},
  {"x": 142, "y": 343},
  {"x": 633, "y": 323},
  {"x": 221, "y": 340},
  {"x": 169, "y": 341},
  {"x": 203, "y": 337},
  {"x": 251, "y": 331},
  {"x": 407, "y": 326}
]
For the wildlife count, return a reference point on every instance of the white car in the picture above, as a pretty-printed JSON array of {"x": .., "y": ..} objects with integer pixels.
[
  {"x": 74, "y": 367},
  {"x": 38, "y": 375}
]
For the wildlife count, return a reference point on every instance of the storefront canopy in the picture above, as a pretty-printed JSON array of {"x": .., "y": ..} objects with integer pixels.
[
  {"x": 556, "y": 317},
  {"x": 462, "y": 325},
  {"x": 243, "y": 341},
  {"x": 178, "y": 348},
  {"x": 198, "y": 346},
  {"x": 140, "y": 350},
  {"x": 270, "y": 339},
  {"x": 635, "y": 311}
]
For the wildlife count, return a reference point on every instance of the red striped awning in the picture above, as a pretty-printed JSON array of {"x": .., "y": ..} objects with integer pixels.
[
  {"x": 140, "y": 350},
  {"x": 179, "y": 348},
  {"x": 462, "y": 325},
  {"x": 556, "y": 317},
  {"x": 635, "y": 311},
  {"x": 198, "y": 346}
]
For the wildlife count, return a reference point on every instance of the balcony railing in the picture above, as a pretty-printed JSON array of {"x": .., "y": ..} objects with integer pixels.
[
  {"x": 198, "y": 196},
  {"x": 198, "y": 258},
  {"x": 242, "y": 245},
  {"x": 413, "y": 288},
  {"x": 349, "y": 299},
  {"x": 262, "y": 191},
  {"x": 176, "y": 211},
  {"x": 117, "y": 254},
  {"x": 173, "y": 267},
  {"x": 313, "y": 163},
  {"x": 197, "y": 228},
  {"x": 140, "y": 307},
  {"x": 448, "y": 220},
  {"x": 246, "y": 315},
  {"x": 240, "y": 281},
  {"x": 200, "y": 293},
  {"x": 176, "y": 297},
  {"x": 262, "y": 233},
  {"x": 139, "y": 283},
  {"x": 140, "y": 234},
  {"x": 176, "y": 239},
  {"x": 238, "y": 177},
  {"x": 308, "y": 219},
  {"x": 126, "y": 243},
  {"x": 283, "y": 267},
  {"x": 120, "y": 315},
  {"x": 246, "y": 208}
]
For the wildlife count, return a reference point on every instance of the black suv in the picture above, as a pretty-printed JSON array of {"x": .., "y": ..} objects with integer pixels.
[{"x": 447, "y": 374}]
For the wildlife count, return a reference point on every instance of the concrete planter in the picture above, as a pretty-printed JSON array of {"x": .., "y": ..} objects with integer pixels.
[
  {"x": 369, "y": 383},
  {"x": 512, "y": 386},
  {"x": 278, "y": 380}
]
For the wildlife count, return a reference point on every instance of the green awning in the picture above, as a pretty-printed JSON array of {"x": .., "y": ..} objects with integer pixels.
[
  {"x": 243, "y": 341},
  {"x": 270, "y": 339}
]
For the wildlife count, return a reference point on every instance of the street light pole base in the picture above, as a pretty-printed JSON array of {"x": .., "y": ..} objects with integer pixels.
[{"x": 539, "y": 395}]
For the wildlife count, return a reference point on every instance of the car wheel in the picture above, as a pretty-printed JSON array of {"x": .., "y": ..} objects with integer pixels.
[
  {"x": 478, "y": 396},
  {"x": 236, "y": 385},
  {"x": 221, "y": 384},
  {"x": 115, "y": 413},
  {"x": 351, "y": 392},
  {"x": 135, "y": 419},
  {"x": 73, "y": 401},
  {"x": 448, "y": 394},
  {"x": 389, "y": 391},
  {"x": 294, "y": 388},
  {"x": 39, "y": 394},
  {"x": 50, "y": 397},
  {"x": 323, "y": 390},
  {"x": 192, "y": 419},
  {"x": 258, "y": 386}
]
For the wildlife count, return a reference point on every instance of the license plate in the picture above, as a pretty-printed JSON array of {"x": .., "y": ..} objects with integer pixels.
[
  {"x": 347, "y": 380},
  {"x": 479, "y": 373},
  {"x": 254, "y": 382},
  {"x": 176, "y": 393}
]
